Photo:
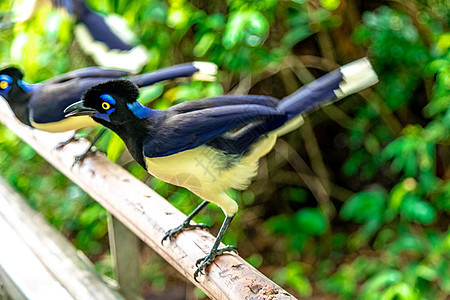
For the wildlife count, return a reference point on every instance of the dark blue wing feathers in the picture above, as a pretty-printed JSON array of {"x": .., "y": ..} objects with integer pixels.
[
  {"x": 178, "y": 71},
  {"x": 312, "y": 95},
  {"x": 224, "y": 100},
  {"x": 90, "y": 72},
  {"x": 179, "y": 132}
]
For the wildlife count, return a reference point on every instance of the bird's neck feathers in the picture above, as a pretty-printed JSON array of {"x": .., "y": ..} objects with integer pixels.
[
  {"x": 133, "y": 133},
  {"x": 141, "y": 111},
  {"x": 18, "y": 100}
]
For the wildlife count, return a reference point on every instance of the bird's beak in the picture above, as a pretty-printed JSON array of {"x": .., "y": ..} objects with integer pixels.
[{"x": 78, "y": 109}]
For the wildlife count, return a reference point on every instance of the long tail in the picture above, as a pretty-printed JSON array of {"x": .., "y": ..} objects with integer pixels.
[
  {"x": 205, "y": 71},
  {"x": 346, "y": 80},
  {"x": 108, "y": 39}
]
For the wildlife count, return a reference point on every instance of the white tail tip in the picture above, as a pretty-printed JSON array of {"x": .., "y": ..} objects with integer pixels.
[
  {"x": 206, "y": 71},
  {"x": 357, "y": 76},
  {"x": 132, "y": 61}
]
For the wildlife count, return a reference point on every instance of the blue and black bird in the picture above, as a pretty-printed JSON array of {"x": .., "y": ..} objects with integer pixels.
[
  {"x": 105, "y": 38},
  {"x": 42, "y": 105},
  {"x": 213, "y": 144}
]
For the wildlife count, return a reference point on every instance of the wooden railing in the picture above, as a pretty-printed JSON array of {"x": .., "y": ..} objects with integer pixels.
[
  {"x": 137, "y": 211},
  {"x": 38, "y": 262}
]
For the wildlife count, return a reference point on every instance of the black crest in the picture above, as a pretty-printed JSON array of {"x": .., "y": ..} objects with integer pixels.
[
  {"x": 124, "y": 89},
  {"x": 13, "y": 72}
]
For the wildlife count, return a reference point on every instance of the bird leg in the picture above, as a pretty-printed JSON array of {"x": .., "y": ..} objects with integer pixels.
[
  {"x": 72, "y": 139},
  {"x": 79, "y": 158},
  {"x": 202, "y": 263},
  {"x": 186, "y": 224}
]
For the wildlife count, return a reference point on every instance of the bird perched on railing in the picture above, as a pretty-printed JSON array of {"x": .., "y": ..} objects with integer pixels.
[
  {"x": 107, "y": 39},
  {"x": 193, "y": 144},
  {"x": 42, "y": 105}
]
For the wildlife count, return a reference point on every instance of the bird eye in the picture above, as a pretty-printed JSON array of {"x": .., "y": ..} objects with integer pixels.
[
  {"x": 106, "y": 105},
  {"x": 3, "y": 85}
]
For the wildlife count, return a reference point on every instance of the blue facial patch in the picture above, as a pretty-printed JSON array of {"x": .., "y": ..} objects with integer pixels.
[
  {"x": 5, "y": 83},
  {"x": 103, "y": 116},
  {"x": 6, "y": 78},
  {"x": 139, "y": 110},
  {"x": 108, "y": 98},
  {"x": 26, "y": 87}
]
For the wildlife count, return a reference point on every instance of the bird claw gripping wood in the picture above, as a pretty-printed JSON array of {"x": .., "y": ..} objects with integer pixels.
[
  {"x": 80, "y": 158},
  {"x": 204, "y": 262},
  {"x": 172, "y": 233},
  {"x": 65, "y": 143}
]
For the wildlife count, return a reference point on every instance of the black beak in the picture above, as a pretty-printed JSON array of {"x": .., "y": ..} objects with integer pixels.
[{"x": 78, "y": 109}]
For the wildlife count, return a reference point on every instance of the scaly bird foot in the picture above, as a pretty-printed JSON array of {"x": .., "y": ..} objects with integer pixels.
[
  {"x": 183, "y": 227},
  {"x": 79, "y": 158},
  {"x": 62, "y": 144},
  {"x": 204, "y": 262}
]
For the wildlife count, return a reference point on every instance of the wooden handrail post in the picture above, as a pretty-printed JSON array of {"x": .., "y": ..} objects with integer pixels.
[{"x": 124, "y": 246}]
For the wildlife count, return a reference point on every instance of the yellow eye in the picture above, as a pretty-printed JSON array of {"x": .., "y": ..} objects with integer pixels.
[
  {"x": 106, "y": 105},
  {"x": 3, "y": 85}
]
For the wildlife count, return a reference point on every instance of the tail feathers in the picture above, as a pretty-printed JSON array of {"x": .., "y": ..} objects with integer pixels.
[
  {"x": 310, "y": 96},
  {"x": 24, "y": 11},
  {"x": 346, "y": 80},
  {"x": 108, "y": 39},
  {"x": 107, "y": 53},
  {"x": 207, "y": 71},
  {"x": 357, "y": 75},
  {"x": 198, "y": 70}
]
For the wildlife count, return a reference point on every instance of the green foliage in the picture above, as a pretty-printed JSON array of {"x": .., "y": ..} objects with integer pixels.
[
  {"x": 385, "y": 160},
  {"x": 365, "y": 206},
  {"x": 293, "y": 275}
]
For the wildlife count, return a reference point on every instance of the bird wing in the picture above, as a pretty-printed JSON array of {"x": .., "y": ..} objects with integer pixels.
[
  {"x": 224, "y": 100},
  {"x": 90, "y": 72},
  {"x": 183, "y": 131}
]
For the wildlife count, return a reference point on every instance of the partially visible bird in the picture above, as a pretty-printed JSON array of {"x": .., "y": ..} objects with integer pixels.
[
  {"x": 211, "y": 145},
  {"x": 106, "y": 38},
  {"x": 42, "y": 105}
]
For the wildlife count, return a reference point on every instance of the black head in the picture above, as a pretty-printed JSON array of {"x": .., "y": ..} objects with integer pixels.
[
  {"x": 16, "y": 92},
  {"x": 13, "y": 72},
  {"x": 10, "y": 81},
  {"x": 110, "y": 103}
]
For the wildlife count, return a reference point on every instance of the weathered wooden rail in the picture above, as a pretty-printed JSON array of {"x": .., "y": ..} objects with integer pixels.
[
  {"x": 148, "y": 216},
  {"x": 37, "y": 262}
]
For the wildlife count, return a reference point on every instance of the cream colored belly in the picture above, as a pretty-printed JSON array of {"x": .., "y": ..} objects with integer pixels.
[
  {"x": 68, "y": 124},
  {"x": 208, "y": 172}
]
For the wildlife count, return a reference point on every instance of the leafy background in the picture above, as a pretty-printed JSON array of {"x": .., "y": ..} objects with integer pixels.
[{"x": 354, "y": 205}]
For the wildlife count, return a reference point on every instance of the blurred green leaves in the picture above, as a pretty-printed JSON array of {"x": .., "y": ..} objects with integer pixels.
[
  {"x": 415, "y": 209},
  {"x": 311, "y": 221},
  {"x": 293, "y": 275},
  {"x": 364, "y": 206}
]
